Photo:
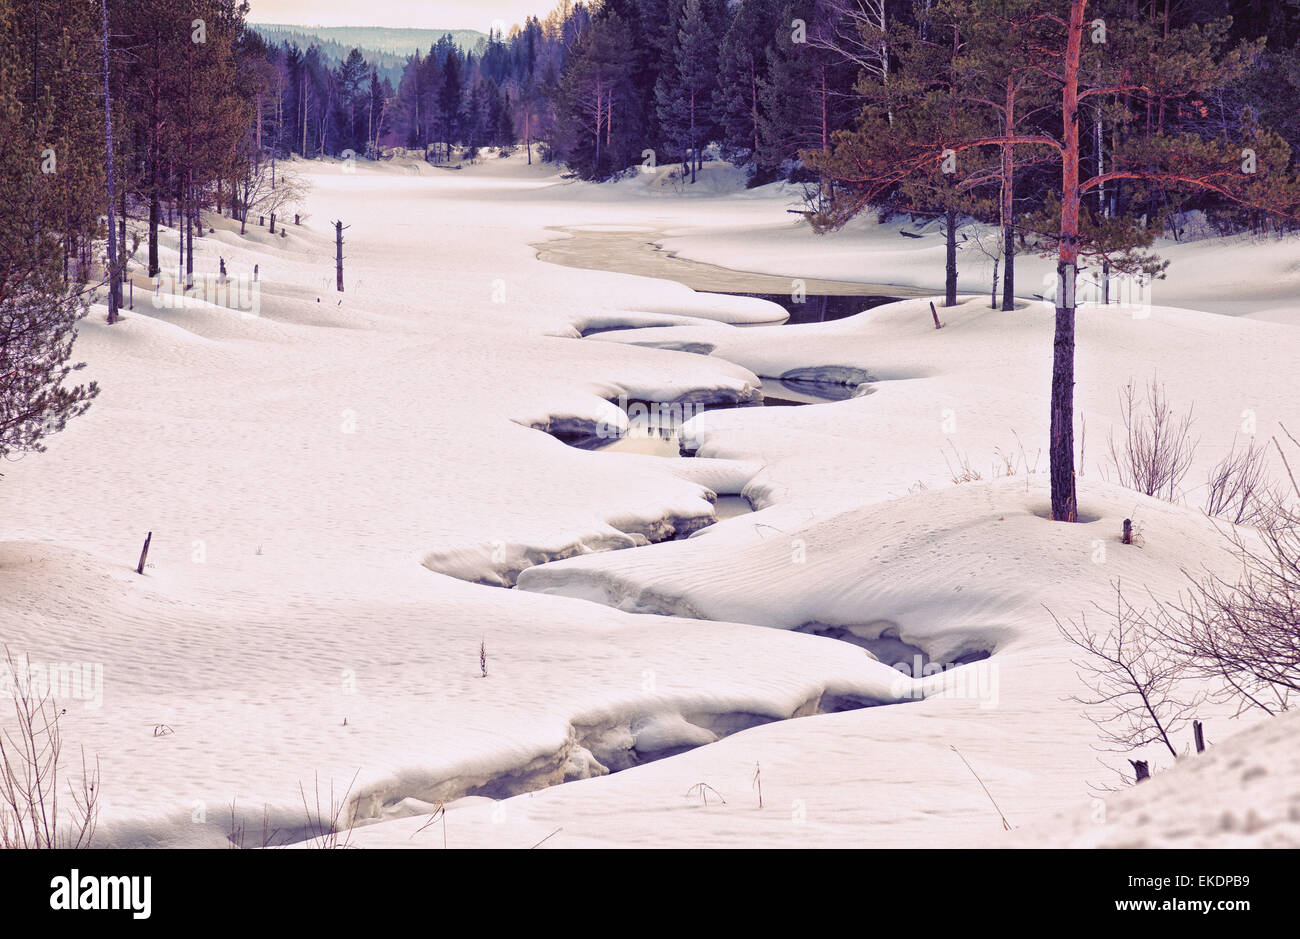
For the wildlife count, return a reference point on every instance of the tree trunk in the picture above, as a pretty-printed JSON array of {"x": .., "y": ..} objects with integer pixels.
[
  {"x": 826, "y": 129},
  {"x": 950, "y": 287},
  {"x": 1008, "y": 206},
  {"x": 190, "y": 204},
  {"x": 121, "y": 227},
  {"x": 1061, "y": 452},
  {"x": 154, "y": 266},
  {"x": 304, "y": 117},
  {"x": 600, "y": 117},
  {"x": 695, "y": 160},
  {"x": 114, "y": 275},
  {"x": 1008, "y": 267}
]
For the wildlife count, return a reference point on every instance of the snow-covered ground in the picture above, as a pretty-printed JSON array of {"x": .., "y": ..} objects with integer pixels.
[{"x": 340, "y": 485}]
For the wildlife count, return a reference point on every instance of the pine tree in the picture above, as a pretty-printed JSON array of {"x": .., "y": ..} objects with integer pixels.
[
  {"x": 801, "y": 98},
  {"x": 39, "y": 303},
  {"x": 449, "y": 96},
  {"x": 592, "y": 97},
  {"x": 742, "y": 65},
  {"x": 351, "y": 78},
  {"x": 685, "y": 89},
  {"x": 1139, "y": 75}
]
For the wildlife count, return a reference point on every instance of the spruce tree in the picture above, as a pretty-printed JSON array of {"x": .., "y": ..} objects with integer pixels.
[
  {"x": 684, "y": 92},
  {"x": 742, "y": 66}
]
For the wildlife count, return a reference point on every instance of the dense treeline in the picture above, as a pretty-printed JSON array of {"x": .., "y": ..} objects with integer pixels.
[
  {"x": 768, "y": 78},
  {"x": 448, "y": 97}
]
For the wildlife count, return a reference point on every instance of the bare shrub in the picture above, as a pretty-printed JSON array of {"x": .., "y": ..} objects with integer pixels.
[
  {"x": 703, "y": 789},
  {"x": 1134, "y": 687},
  {"x": 238, "y": 828},
  {"x": 1015, "y": 462},
  {"x": 1243, "y": 633},
  {"x": 959, "y": 467},
  {"x": 1157, "y": 449},
  {"x": 31, "y": 771},
  {"x": 1239, "y": 637},
  {"x": 326, "y": 827},
  {"x": 439, "y": 812},
  {"x": 1237, "y": 487}
]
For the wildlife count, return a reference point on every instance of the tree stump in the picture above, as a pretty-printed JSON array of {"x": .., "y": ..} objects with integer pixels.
[
  {"x": 1141, "y": 769},
  {"x": 1198, "y": 734},
  {"x": 1127, "y": 537}
]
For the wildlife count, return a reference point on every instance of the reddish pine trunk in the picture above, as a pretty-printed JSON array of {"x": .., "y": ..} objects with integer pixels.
[
  {"x": 1008, "y": 205},
  {"x": 1064, "y": 502}
]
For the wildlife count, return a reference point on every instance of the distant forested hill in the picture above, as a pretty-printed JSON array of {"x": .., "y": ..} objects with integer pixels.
[{"x": 385, "y": 48}]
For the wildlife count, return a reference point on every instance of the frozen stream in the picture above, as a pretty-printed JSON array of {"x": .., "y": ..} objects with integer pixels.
[
  {"x": 637, "y": 251},
  {"x": 654, "y": 429}
]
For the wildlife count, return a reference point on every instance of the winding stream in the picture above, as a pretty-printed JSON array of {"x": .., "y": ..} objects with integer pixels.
[
  {"x": 598, "y": 749},
  {"x": 634, "y": 250}
]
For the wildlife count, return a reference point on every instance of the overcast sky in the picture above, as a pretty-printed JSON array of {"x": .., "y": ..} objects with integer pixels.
[{"x": 414, "y": 14}]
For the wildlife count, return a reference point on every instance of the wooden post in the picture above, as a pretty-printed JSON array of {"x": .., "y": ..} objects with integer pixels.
[
  {"x": 144, "y": 553},
  {"x": 272, "y": 223},
  {"x": 935, "y": 314},
  {"x": 1141, "y": 769},
  {"x": 1198, "y": 733},
  {"x": 1128, "y": 531}
]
